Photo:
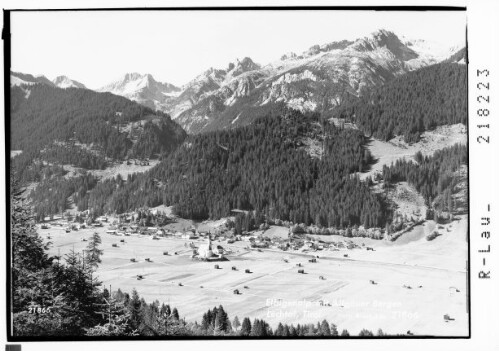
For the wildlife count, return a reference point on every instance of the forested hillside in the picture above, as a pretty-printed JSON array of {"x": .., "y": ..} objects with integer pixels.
[
  {"x": 61, "y": 125},
  {"x": 434, "y": 177},
  {"x": 261, "y": 167},
  {"x": 411, "y": 104}
]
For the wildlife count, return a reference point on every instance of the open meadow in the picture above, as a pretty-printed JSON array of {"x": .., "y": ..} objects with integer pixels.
[{"x": 401, "y": 286}]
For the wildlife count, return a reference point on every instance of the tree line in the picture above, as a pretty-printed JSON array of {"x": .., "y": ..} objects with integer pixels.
[
  {"x": 432, "y": 176},
  {"x": 263, "y": 167},
  {"x": 53, "y": 195},
  {"x": 68, "y": 154},
  {"x": 410, "y": 104},
  {"x": 42, "y": 115}
]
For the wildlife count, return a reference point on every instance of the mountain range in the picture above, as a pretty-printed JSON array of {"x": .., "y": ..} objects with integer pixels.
[
  {"x": 315, "y": 80},
  {"x": 17, "y": 78}
]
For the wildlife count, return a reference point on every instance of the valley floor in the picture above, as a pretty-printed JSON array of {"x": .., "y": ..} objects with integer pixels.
[{"x": 367, "y": 289}]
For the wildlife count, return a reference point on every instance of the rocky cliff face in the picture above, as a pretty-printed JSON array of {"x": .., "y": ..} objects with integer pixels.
[{"x": 315, "y": 80}]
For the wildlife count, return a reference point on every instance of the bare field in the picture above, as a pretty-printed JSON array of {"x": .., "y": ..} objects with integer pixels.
[
  {"x": 14, "y": 153},
  {"x": 409, "y": 202},
  {"x": 386, "y": 152},
  {"x": 113, "y": 170},
  {"x": 275, "y": 291}
]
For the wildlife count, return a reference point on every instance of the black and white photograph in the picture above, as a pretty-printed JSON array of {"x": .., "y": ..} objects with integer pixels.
[{"x": 273, "y": 173}]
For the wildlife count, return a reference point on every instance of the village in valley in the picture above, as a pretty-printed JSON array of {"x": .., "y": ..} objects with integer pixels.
[{"x": 195, "y": 265}]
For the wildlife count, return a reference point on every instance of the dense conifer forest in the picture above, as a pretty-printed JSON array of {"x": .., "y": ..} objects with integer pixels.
[
  {"x": 48, "y": 123},
  {"x": 431, "y": 176},
  {"x": 53, "y": 196},
  {"x": 73, "y": 155},
  {"x": 262, "y": 167},
  {"x": 410, "y": 104}
]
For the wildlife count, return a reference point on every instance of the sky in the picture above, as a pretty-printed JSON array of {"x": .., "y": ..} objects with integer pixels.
[{"x": 96, "y": 48}]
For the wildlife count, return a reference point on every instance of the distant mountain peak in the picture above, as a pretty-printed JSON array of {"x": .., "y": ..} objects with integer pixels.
[
  {"x": 65, "y": 82},
  {"x": 241, "y": 66},
  {"x": 142, "y": 88},
  {"x": 135, "y": 75},
  {"x": 383, "y": 38}
]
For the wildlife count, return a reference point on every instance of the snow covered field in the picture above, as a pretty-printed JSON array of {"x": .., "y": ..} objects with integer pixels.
[{"x": 275, "y": 291}]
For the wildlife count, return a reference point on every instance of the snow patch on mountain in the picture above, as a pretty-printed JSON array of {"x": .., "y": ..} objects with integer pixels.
[
  {"x": 144, "y": 89},
  {"x": 64, "y": 82}
]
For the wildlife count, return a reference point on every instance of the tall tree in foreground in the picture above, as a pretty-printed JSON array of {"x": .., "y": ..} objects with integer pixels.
[
  {"x": 93, "y": 251},
  {"x": 49, "y": 297}
]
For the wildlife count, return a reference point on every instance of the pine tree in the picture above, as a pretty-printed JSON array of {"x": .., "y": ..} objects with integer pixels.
[
  {"x": 324, "y": 327},
  {"x": 280, "y": 330},
  {"x": 93, "y": 252},
  {"x": 257, "y": 328},
  {"x": 365, "y": 333},
  {"x": 175, "y": 314},
  {"x": 246, "y": 327},
  {"x": 205, "y": 323},
  {"x": 286, "y": 332},
  {"x": 134, "y": 309},
  {"x": 235, "y": 323}
]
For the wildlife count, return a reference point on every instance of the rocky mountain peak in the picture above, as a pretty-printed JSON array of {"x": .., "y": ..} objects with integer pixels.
[
  {"x": 66, "y": 82},
  {"x": 385, "y": 39},
  {"x": 241, "y": 66},
  {"x": 132, "y": 76}
]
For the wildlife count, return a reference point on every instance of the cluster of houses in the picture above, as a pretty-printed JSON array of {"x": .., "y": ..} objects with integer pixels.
[
  {"x": 153, "y": 224},
  {"x": 301, "y": 244},
  {"x": 67, "y": 225}
]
